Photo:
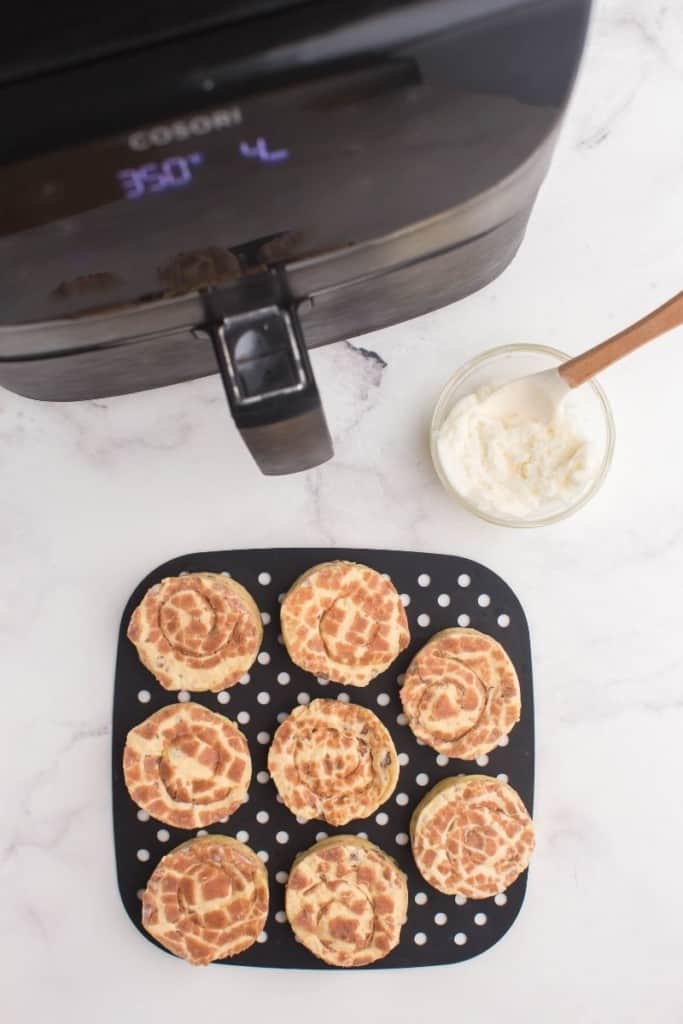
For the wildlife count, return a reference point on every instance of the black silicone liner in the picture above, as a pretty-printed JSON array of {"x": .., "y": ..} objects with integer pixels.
[{"x": 436, "y": 925}]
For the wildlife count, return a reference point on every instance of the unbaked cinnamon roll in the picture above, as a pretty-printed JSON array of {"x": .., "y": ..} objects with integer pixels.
[
  {"x": 187, "y": 766},
  {"x": 461, "y": 693},
  {"x": 346, "y": 901},
  {"x": 207, "y": 899},
  {"x": 201, "y": 631},
  {"x": 471, "y": 836},
  {"x": 344, "y": 622},
  {"x": 333, "y": 761}
]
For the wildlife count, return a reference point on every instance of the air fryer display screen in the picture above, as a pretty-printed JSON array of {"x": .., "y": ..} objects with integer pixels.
[
  {"x": 183, "y": 169},
  {"x": 279, "y": 175},
  {"x": 231, "y": 156}
]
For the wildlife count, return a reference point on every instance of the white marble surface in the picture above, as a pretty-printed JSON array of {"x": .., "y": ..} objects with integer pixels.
[{"x": 95, "y": 494}]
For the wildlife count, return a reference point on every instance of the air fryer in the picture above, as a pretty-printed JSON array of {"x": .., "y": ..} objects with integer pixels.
[{"x": 188, "y": 189}]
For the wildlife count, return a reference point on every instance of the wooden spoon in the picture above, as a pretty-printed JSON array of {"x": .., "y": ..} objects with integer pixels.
[{"x": 538, "y": 395}]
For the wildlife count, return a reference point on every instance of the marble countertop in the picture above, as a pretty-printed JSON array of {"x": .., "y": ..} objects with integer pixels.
[{"x": 97, "y": 493}]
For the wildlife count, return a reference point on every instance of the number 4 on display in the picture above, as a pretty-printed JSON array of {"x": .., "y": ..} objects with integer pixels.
[{"x": 259, "y": 151}]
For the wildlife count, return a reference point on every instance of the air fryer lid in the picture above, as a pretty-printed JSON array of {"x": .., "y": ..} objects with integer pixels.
[
  {"x": 54, "y": 36},
  {"x": 254, "y": 157}
]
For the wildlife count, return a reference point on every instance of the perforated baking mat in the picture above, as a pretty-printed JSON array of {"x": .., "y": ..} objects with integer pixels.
[{"x": 438, "y": 591}]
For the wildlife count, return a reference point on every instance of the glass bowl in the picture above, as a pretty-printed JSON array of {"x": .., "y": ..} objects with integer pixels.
[{"x": 500, "y": 365}]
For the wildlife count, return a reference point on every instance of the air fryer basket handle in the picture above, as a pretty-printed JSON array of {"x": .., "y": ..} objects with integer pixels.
[{"x": 269, "y": 384}]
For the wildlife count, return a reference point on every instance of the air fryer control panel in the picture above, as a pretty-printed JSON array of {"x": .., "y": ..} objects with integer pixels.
[{"x": 340, "y": 153}]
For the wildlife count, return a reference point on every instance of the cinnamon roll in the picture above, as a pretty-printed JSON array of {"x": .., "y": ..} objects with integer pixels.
[
  {"x": 187, "y": 766},
  {"x": 201, "y": 631},
  {"x": 461, "y": 693},
  {"x": 344, "y": 622},
  {"x": 471, "y": 836},
  {"x": 333, "y": 761},
  {"x": 346, "y": 901},
  {"x": 207, "y": 899}
]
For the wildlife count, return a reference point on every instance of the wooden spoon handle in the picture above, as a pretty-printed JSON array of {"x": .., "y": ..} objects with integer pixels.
[{"x": 580, "y": 369}]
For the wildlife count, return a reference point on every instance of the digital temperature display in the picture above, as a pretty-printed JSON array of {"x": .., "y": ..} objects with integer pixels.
[{"x": 157, "y": 176}]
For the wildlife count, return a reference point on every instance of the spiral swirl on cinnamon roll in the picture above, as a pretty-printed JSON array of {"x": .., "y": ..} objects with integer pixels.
[
  {"x": 345, "y": 622},
  {"x": 461, "y": 693},
  {"x": 197, "y": 632},
  {"x": 346, "y": 901},
  {"x": 471, "y": 836},
  {"x": 187, "y": 766},
  {"x": 333, "y": 761},
  {"x": 207, "y": 899}
]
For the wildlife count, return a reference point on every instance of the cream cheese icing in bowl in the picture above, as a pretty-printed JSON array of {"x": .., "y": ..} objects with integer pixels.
[{"x": 515, "y": 470}]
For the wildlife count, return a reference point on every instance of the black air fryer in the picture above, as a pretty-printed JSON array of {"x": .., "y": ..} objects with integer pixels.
[{"x": 186, "y": 187}]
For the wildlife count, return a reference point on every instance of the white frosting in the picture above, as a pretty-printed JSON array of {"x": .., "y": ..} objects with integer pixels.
[{"x": 509, "y": 465}]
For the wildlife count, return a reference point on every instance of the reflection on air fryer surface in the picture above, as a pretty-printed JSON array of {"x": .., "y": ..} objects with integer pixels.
[{"x": 354, "y": 173}]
